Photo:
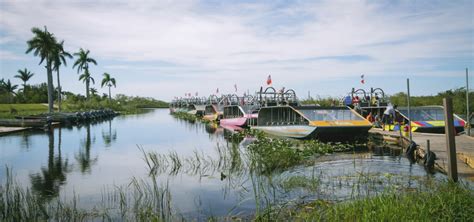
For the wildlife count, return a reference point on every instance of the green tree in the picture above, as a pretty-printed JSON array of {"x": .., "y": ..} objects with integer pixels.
[
  {"x": 93, "y": 91},
  {"x": 9, "y": 88},
  {"x": 24, "y": 75},
  {"x": 87, "y": 78},
  {"x": 60, "y": 59},
  {"x": 82, "y": 63},
  {"x": 2, "y": 82},
  {"x": 43, "y": 44},
  {"x": 109, "y": 81}
]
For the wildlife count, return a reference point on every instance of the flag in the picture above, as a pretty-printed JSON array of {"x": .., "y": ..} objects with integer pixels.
[
  {"x": 235, "y": 87},
  {"x": 217, "y": 91},
  {"x": 362, "y": 80},
  {"x": 269, "y": 80}
]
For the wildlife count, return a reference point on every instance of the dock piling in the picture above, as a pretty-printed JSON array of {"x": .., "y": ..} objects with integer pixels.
[
  {"x": 409, "y": 113},
  {"x": 467, "y": 104},
  {"x": 450, "y": 140}
]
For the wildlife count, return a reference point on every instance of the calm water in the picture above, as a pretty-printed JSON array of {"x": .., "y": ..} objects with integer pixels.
[{"x": 89, "y": 160}]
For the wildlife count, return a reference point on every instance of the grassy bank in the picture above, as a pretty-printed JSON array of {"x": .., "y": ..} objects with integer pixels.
[
  {"x": 443, "y": 201},
  {"x": 9, "y": 111}
]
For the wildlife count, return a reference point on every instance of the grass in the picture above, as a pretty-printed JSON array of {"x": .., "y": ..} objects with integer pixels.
[
  {"x": 444, "y": 201},
  {"x": 9, "y": 111},
  {"x": 185, "y": 116},
  {"x": 146, "y": 200}
]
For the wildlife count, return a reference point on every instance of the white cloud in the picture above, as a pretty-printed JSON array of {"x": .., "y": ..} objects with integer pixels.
[
  {"x": 233, "y": 42},
  {"x": 7, "y": 55}
]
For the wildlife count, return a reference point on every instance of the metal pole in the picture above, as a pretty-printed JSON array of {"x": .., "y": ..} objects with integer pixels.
[
  {"x": 467, "y": 104},
  {"x": 450, "y": 140},
  {"x": 409, "y": 112}
]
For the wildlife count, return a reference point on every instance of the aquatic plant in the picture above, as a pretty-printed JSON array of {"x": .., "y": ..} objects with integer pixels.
[
  {"x": 185, "y": 116},
  {"x": 270, "y": 154}
]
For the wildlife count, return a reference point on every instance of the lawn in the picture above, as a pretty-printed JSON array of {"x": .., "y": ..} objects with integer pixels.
[{"x": 9, "y": 111}]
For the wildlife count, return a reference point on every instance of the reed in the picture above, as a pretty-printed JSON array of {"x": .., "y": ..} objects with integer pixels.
[{"x": 138, "y": 201}]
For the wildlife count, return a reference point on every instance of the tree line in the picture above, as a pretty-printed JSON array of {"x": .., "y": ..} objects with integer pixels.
[{"x": 50, "y": 51}]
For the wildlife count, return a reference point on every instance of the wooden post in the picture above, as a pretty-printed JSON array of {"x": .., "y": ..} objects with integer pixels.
[
  {"x": 427, "y": 146},
  {"x": 409, "y": 111},
  {"x": 467, "y": 104},
  {"x": 450, "y": 140}
]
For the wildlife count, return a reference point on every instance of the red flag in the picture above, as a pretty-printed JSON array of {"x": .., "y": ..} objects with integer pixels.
[
  {"x": 235, "y": 87},
  {"x": 269, "y": 80},
  {"x": 362, "y": 80}
]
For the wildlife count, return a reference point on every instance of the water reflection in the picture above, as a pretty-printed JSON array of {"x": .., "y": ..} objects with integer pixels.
[
  {"x": 48, "y": 182},
  {"x": 207, "y": 174},
  {"x": 83, "y": 158},
  {"x": 110, "y": 136}
]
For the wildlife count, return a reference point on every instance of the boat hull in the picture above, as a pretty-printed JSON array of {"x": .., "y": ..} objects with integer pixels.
[
  {"x": 341, "y": 133},
  {"x": 210, "y": 117},
  {"x": 297, "y": 131},
  {"x": 240, "y": 122}
]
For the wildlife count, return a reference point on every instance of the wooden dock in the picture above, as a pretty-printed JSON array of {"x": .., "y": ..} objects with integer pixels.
[
  {"x": 6, "y": 130},
  {"x": 464, "y": 149}
]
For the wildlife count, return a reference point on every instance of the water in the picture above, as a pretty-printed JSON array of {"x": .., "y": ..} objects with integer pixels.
[{"x": 91, "y": 160}]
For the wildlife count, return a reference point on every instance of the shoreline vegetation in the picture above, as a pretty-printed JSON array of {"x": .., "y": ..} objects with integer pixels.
[
  {"x": 147, "y": 199},
  {"x": 123, "y": 104}
]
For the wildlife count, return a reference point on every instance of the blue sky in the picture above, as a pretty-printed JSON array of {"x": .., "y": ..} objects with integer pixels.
[{"x": 168, "y": 48}]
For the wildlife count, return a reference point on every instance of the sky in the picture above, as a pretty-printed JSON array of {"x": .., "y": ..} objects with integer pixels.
[{"x": 166, "y": 48}]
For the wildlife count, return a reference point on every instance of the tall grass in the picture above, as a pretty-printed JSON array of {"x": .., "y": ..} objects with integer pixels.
[
  {"x": 444, "y": 201},
  {"x": 138, "y": 201}
]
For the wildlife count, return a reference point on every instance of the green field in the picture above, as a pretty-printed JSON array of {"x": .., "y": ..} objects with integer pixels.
[{"x": 9, "y": 111}]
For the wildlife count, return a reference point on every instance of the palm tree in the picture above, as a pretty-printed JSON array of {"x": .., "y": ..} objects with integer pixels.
[
  {"x": 9, "y": 88},
  {"x": 24, "y": 75},
  {"x": 2, "y": 83},
  {"x": 87, "y": 78},
  {"x": 59, "y": 59},
  {"x": 82, "y": 63},
  {"x": 93, "y": 91},
  {"x": 107, "y": 80},
  {"x": 43, "y": 44}
]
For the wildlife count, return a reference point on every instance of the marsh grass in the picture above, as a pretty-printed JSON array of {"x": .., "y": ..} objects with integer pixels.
[
  {"x": 372, "y": 196},
  {"x": 138, "y": 201},
  {"x": 185, "y": 116},
  {"x": 444, "y": 201},
  {"x": 275, "y": 154}
]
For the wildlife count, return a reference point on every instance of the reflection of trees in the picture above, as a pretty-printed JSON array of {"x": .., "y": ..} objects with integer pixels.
[
  {"x": 84, "y": 155},
  {"x": 48, "y": 182},
  {"x": 109, "y": 136},
  {"x": 25, "y": 140}
]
